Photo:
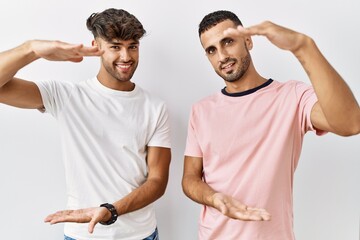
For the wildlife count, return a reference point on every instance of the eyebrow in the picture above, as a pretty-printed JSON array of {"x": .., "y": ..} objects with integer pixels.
[
  {"x": 208, "y": 48},
  {"x": 222, "y": 41},
  {"x": 119, "y": 43}
]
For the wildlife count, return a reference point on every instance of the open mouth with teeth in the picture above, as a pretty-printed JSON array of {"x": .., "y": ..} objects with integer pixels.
[
  {"x": 123, "y": 66},
  {"x": 228, "y": 67}
]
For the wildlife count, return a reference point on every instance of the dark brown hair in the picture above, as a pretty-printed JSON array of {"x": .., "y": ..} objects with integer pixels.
[
  {"x": 212, "y": 19},
  {"x": 115, "y": 24}
]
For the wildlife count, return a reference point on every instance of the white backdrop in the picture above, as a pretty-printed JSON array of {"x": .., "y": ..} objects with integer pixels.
[{"x": 173, "y": 65}]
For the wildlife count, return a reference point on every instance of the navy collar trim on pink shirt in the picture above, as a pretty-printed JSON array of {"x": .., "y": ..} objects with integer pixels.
[{"x": 247, "y": 92}]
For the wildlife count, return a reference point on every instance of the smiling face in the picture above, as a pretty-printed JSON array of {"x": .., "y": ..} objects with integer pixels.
[
  {"x": 120, "y": 59},
  {"x": 229, "y": 56}
]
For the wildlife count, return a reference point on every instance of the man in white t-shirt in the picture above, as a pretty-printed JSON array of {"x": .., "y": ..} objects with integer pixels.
[
  {"x": 244, "y": 142},
  {"x": 115, "y": 135}
]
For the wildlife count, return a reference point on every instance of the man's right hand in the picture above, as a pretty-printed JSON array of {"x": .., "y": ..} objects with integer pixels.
[
  {"x": 234, "y": 209},
  {"x": 25, "y": 94},
  {"x": 61, "y": 51}
]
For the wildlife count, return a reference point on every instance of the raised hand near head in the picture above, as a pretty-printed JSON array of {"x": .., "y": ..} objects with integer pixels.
[
  {"x": 62, "y": 51},
  {"x": 281, "y": 37}
]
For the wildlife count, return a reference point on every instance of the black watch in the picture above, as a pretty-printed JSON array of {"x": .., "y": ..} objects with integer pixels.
[{"x": 112, "y": 210}]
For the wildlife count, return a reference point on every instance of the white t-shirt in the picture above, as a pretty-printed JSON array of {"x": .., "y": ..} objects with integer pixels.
[{"x": 105, "y": 134}]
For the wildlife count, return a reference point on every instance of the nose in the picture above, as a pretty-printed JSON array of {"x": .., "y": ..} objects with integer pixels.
[
  {"x": 124, "y": 55},
  {"x": 223, "y": 55}
]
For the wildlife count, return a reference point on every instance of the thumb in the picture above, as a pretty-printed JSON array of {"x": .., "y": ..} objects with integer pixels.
[
  {"x": 92, "y": 224},
  {"x": 76, "y": 60},
  {"x": 221, "y": 206}
]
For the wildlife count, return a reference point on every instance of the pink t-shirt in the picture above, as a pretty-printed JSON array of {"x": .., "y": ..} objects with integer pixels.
[{"x": 250, "y": 147}]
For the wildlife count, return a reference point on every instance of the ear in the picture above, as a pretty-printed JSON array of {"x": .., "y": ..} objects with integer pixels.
[
  {"x": 201, "y": 40},
  {"x": 94, "y": 43},
  {"x": 248, "y": 43}
]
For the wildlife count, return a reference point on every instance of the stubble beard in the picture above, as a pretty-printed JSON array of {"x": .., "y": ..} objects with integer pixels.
[
  {"x": 239, "y": 72},
  {"x": 112, "y": 70}
]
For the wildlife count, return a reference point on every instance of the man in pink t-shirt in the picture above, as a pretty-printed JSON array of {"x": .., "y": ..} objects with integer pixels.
[{"x": 244, "y": 142}]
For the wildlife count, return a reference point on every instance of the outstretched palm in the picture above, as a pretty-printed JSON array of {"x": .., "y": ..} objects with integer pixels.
[
  {"x": 236, "y": 210},
  {"x": 87, "y": 215}
]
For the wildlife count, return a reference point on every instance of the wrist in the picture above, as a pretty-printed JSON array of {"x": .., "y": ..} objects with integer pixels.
[
  {"x": 306, "y": 45},
  {"x": 29, "y": 50},
  {"x": 210, "y": 199},
  {"x": 113, "y": 214}
]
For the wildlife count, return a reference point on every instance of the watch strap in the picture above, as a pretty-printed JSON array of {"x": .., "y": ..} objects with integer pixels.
[{"x": 112, "y": 210}]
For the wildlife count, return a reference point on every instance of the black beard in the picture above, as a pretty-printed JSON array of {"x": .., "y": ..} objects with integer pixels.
[
  {"x": 238, "y": 73},
  {"x": 111, "y": 71}
]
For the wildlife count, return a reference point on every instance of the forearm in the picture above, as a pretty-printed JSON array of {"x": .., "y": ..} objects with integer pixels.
[
  {"x": 198, "y": 190},
  {"x": 147, "y": 193},
  {"x": 13, "y": 60},
  {"x": 335, "y": 98}
]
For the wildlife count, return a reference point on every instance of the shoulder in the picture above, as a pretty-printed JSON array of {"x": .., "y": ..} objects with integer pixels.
[
  {"x": 207, "y": 101},
  {"x": 292, "y": 86},
  {"x": 150, "y": 98},
  {"x": 56, "y": 86}
]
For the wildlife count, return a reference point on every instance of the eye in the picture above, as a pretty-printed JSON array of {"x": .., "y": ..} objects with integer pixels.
[
  {"x": 210, "y": 51},
  {"x": 229, "y": 41},
  {"x": 133, "y": 47},
  {"x": 115, "y": 47}
]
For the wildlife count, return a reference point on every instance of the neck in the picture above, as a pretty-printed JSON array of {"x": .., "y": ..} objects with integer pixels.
[
  {"x": 109, "y": 81},
  {"x": 251, "y": 79}
]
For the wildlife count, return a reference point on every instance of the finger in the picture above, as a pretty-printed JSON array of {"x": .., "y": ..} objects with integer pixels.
[
  {"x": 234, "y": 32},
  {"x": 244, "y": 31},
  {"x": 238, "y": 205},
  {"x": 66, "y": 46},
  {"x": 247, "y": 216},
  {"x": 221, "y": 207},
  {"x": 76, "y": 60},
  {"x": 70, "y": 218},
  {"x": 255, "y": 30},
  {"x": 266, "y": 216},
  {"x": 78, "y": 46},
  {"x": 78, "y": 55},
  {"x": 92, "y": 226},
  {"x": 242, "y": 212},
  {"x": 55, "y": 220},
  {"x": 93, "y": 222},
  {"x": 90, "y": 51},
  {"x": 62, "y": 219},
  {"x": 259, "y": 212},
  {"x": 48, "y": 219},
  {"x": 80, "y": 50},
  {"x": 259, "y": 29},
  {"x": 56, "y": 214},
  {"x": 220, "y": 204}
]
